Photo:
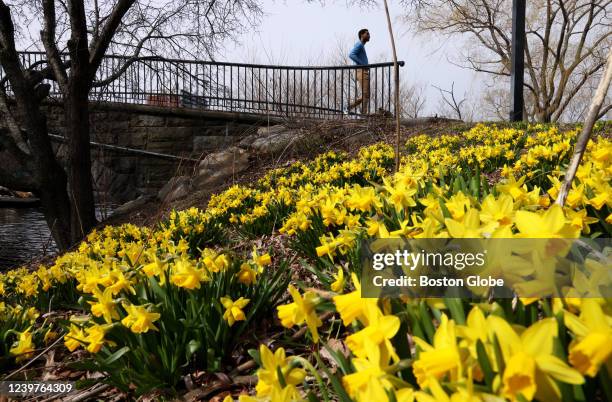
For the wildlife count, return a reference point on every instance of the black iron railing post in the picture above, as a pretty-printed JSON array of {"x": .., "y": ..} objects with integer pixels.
[
  {"x": 389, "y": 87},
  {"x": 342, "y": 106}
]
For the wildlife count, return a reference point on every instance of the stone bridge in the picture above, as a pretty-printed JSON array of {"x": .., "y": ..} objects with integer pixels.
[
  {"x": 187, "y": 108},
  {"x": 123, "y": 175}
]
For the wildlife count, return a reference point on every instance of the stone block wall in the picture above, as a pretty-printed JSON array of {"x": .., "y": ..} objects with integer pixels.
[{"x": 121, "y": 177}]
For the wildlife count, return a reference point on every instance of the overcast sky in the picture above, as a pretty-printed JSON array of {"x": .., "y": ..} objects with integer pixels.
[{"x": 297, "y": 32}]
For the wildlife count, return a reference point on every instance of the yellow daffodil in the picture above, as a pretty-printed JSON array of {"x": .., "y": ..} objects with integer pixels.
[
  {"x": 603, "y": 196},
  {"x": 457, "y": 205},
  {"x": 500, "y": 210},
  {"x": 328, "y": 246},
  {"x": 139, "y": 319},
  {"x": 377, "y": 334},
  {"x": 469, "y": 226},
  {"x": 440, "y": 359},
  {"x": 352, "y": 306},
  {"x": 32, "y": 314},
  {"x": 400, "y": 195},
  {"x": 549, "y": 224},
  {"x": 520, "y": 377},
  {"x": 593, "y": 330},
  {"x": 104, "y": 306},
  {"x": 233, "y": 309},
  {"x": 45, "y": 278},
  {"x": 186, "y": 275},
  {"x": 370, "y": 381},
  {"x": 74, "y": 338},
  {"x": 271, "y": 365},
  {"x": 515, "y": 188},
  {"x": 215, "y": 262},
  {"x": 247, "y": 275},
  {"x": 363, "y": 199},
  {"x": 156, "y": 268},
  {"x": 95, "y": 337},
  {"x": 301, "y": 310},
  {"x": 580, "y": 220},
  {"x": 119, "y": 282},
  {"x": 23, "y": 348},
  {"x": 372, "y": 227},
  {"x": 339, "y": 281},
  {"x": 530, "y": 363},
  {"x": 260, "y": 260},
  {"x": 28, "y": 285}
]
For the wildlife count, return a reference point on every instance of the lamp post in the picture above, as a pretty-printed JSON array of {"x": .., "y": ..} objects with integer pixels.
[{"x": 518, "y": 60}]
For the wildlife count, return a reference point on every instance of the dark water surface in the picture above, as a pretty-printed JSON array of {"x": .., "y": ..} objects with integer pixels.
[{"x": 24, "y": 234}]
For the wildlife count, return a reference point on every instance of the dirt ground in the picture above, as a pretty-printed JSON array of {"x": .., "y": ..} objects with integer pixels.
[{"x": 348, "y": 136}]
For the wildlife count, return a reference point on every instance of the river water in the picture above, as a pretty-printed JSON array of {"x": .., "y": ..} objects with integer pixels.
[{"x": 24, "y": 235}]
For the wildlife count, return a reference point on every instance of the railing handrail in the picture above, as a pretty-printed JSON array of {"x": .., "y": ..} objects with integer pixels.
[
  {"x": 237, "y": 87},
  {"x": 233, "y": 64}
]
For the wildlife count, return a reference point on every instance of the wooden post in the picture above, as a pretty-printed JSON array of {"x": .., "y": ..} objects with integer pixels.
[
  {"x": 518, "y": 59},
  {"x": 397, "y": 89},
  {"x": 585, "y": 134}
]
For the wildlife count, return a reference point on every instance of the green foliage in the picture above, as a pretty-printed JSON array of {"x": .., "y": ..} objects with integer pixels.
[{"x": 192, "y": 332}]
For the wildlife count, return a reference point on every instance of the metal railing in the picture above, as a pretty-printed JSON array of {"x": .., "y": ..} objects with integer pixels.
[{"x": 292, "y": 91}]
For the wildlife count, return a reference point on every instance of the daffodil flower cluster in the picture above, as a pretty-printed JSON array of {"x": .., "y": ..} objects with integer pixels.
[
  {"x": 478, "y": 357},
  {"x": 144, "y": 292},
  {"x": 175, "y": 292}
]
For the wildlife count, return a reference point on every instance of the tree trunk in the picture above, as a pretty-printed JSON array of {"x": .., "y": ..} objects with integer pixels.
[
  {"x": 80, "y": 187},
  {"x": 543, "y": 115},
  {"x": 51, "y": 177},
  {"x": 55, "y": 205}
]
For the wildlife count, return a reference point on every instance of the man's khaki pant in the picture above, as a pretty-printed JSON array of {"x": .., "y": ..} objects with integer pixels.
[{"x": 363, "y": 78}]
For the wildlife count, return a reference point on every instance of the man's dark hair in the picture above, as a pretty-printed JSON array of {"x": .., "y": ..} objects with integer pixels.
[{"x": 361, "y": 32}]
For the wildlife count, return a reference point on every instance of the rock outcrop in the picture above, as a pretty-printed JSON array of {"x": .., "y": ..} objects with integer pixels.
[
  {"x": 219, "y": 167},
  {"x": 177, "y": 187}
]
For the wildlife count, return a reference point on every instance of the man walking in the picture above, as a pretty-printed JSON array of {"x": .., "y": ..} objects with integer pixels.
[{"x": 360, "y": 58}]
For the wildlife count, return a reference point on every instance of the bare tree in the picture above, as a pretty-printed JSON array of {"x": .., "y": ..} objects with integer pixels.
[
  {"x": 566, "y": 47},
  {"x": 338, "y": 53},
  {"x": 76, "y": 35},
  {"x": 451, "y": 101},
  {"x": 494, "y": 102},
  {"x": 577, "y": 110},
  {"x": 413, "y": 100}
]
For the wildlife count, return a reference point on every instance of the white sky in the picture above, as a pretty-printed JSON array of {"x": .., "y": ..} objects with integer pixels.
[{"x": 296, "y": 32}]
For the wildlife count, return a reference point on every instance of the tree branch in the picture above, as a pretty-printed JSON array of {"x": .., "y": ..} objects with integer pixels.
[
  {"x": 100, "y": 45},
  {"x": 456, "y": 107},
  {"x": 560, "y": 108},
  {"x": 48, "y": 38},
  {"x": 7, "y": 29},
  {"x": 12, "y": 126},
  {"x": 9, "y": 59}
]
